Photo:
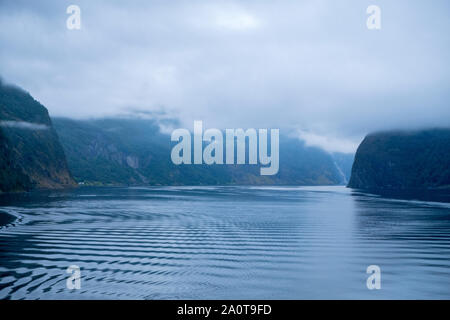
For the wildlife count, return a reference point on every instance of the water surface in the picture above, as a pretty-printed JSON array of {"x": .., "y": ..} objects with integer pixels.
[{"x": 223, "y": 243}]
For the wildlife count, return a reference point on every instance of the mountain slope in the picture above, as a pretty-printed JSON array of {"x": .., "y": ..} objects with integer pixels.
[
  {"x": 403, "y": 160},
  {"x": 118, "y": 151},
  {"x": 30, "y": 153}
]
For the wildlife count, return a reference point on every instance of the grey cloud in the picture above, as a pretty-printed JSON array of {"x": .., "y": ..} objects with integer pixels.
[
  {"x": 300, "y": 65},
  {"x": 23, "y": 125}
]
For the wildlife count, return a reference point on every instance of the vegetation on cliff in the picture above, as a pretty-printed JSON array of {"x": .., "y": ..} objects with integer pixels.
[
  {"x": 30, "y": 153},
  {"x": 403, "y": 160},
  {"x": 132, "y": 151}
]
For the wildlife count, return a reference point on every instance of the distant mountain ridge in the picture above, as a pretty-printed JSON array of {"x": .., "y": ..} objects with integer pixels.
[
  {"x": 118, "y": 151},
  {"x": 403, "y": 160},
  {"x": 30, "y": 153},
  {"x": 36, "y": 152}
]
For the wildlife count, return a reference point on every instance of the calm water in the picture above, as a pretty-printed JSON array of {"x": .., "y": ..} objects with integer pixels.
[{"x": 223, "y": 243}]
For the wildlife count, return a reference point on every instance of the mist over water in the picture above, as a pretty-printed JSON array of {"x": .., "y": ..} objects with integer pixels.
[{"x": 223, "y": 243}]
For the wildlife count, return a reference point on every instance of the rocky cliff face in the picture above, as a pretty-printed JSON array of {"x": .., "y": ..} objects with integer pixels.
[
  {"x": 30, "y": 153},
  {"x": 403, "y": 160}
]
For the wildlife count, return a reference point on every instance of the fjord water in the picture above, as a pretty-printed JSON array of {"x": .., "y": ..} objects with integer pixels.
[{"x": 223, "y": 243}]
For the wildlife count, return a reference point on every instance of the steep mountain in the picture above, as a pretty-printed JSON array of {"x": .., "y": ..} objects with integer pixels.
[
  {"x": 30, "y": 153},
  {"x": 118, "y": 151},
  {"x": 403, "y": 160}
]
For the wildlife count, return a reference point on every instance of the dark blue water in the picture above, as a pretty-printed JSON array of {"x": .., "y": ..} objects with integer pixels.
[{"x": 223, "y": 243}]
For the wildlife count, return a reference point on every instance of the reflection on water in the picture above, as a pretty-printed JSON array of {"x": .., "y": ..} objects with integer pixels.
[{"x": 223, "y": 243}]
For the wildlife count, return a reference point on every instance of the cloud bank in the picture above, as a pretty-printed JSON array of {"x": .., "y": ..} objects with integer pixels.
[{"x": 23, "y": 125}]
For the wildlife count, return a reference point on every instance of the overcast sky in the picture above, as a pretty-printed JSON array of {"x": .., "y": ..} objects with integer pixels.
[{"x": 308, "y": 66}]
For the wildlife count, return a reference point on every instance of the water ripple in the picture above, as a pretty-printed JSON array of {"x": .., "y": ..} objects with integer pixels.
[{"x": 222, "y": 242}]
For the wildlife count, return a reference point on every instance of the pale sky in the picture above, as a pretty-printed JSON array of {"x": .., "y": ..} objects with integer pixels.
[{"x": 310, "y": 67}]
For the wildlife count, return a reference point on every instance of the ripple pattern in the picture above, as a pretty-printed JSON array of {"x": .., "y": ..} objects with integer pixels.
[{"x": 223, "y": 243}]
